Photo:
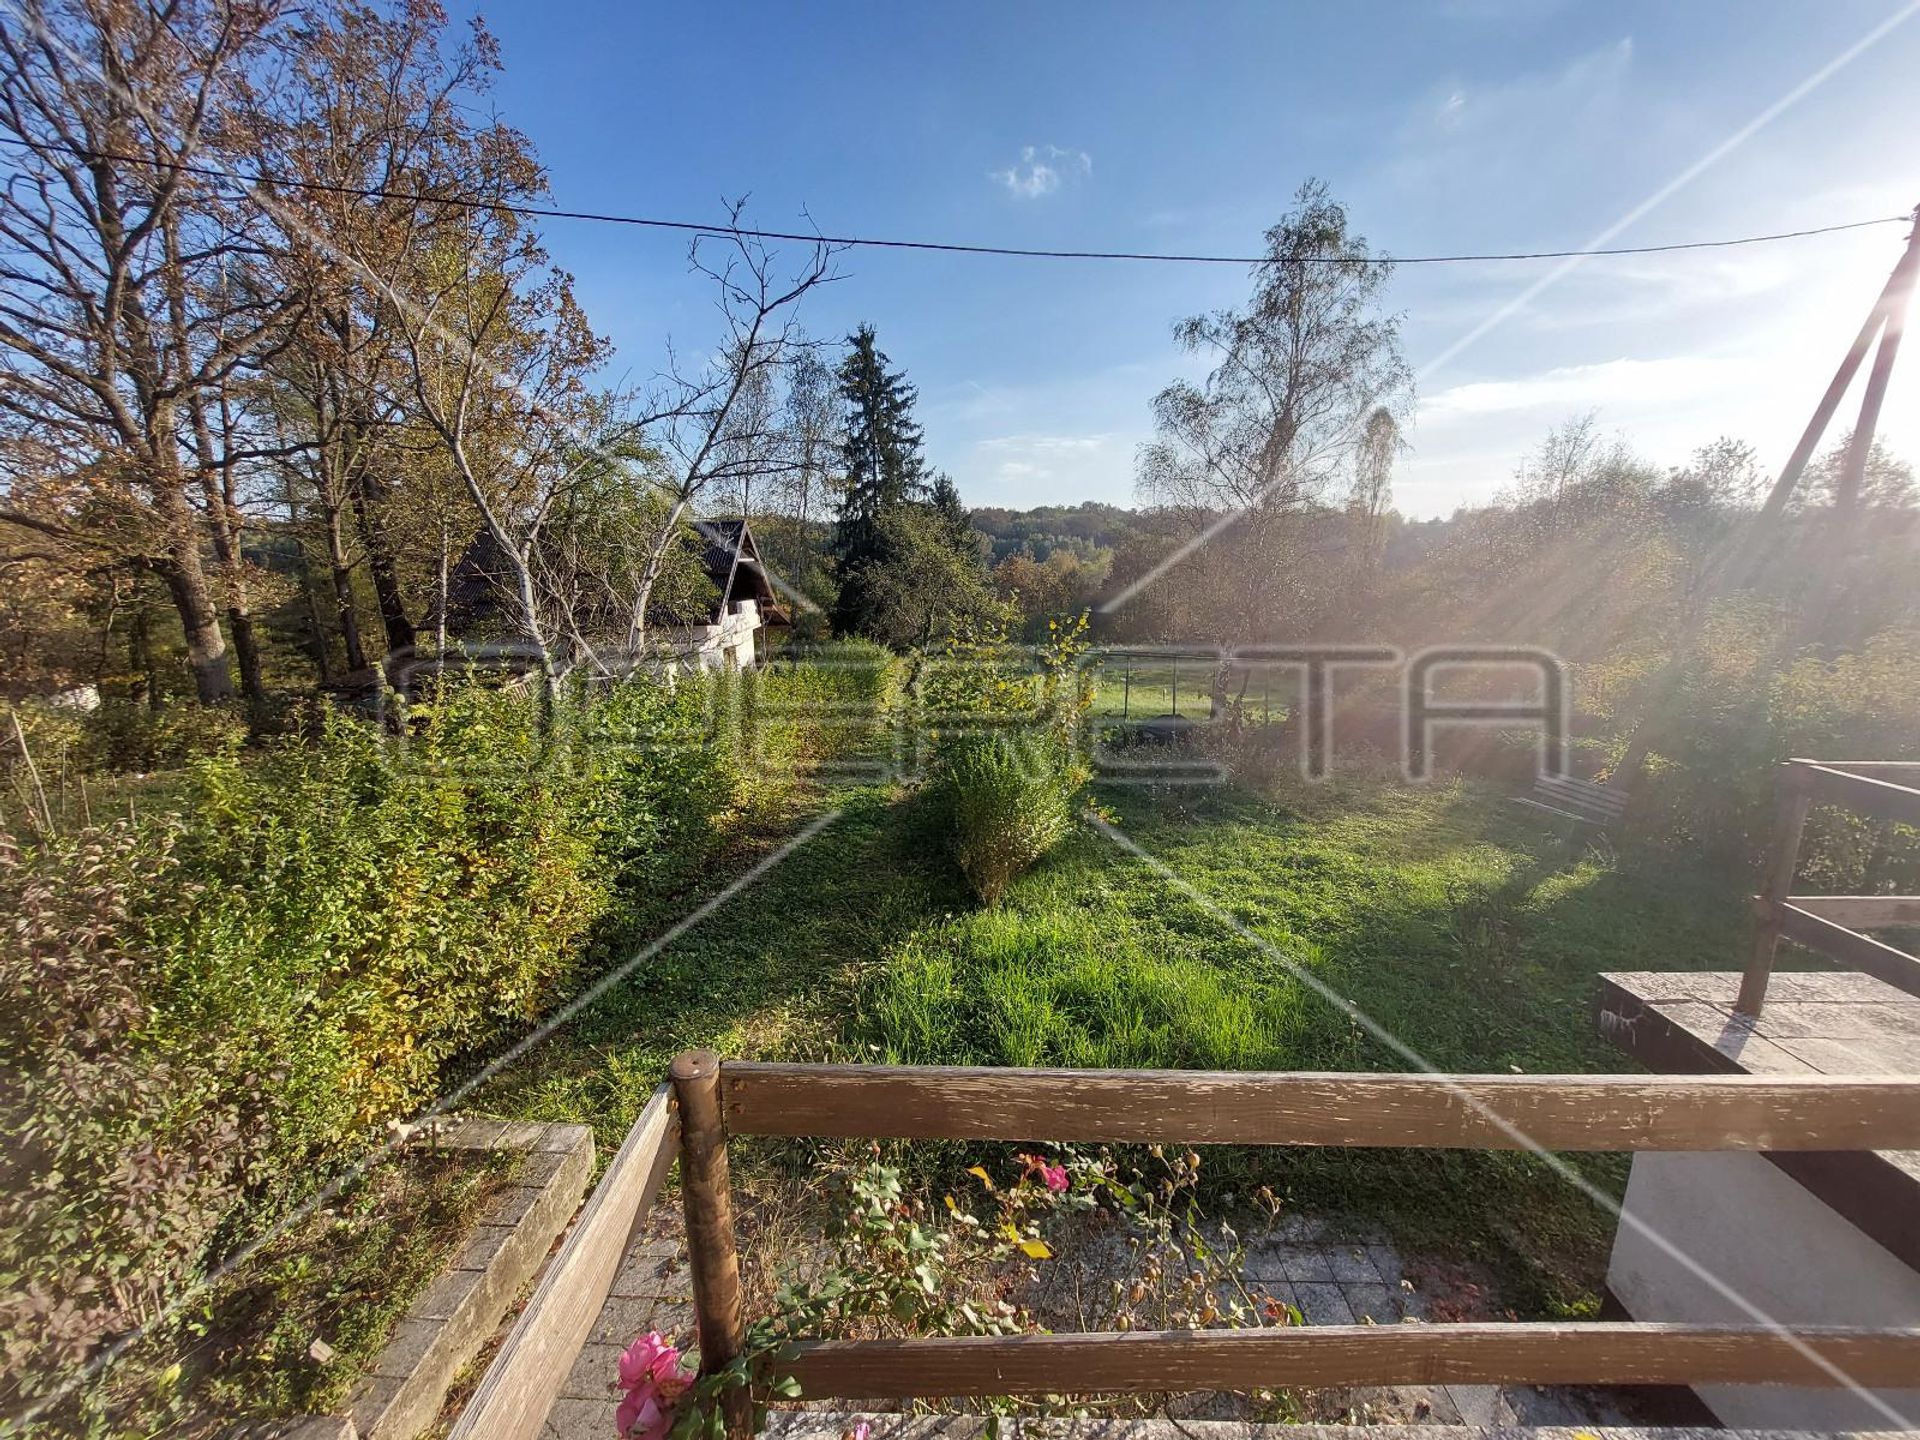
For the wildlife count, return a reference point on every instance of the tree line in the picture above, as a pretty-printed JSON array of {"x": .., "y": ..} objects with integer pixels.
[{"x": 285, "y": 375}]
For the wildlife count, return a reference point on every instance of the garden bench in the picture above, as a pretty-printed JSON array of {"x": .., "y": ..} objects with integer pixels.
[{"x": 1586, "y": 801}]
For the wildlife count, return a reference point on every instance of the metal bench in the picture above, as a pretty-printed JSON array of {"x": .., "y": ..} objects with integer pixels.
[{"x": 1587, "y": 801}]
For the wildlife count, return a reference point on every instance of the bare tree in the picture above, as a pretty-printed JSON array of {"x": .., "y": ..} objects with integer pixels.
[
  {"x": 715, "y": 424},
  {"x": 119, "y": 322}
]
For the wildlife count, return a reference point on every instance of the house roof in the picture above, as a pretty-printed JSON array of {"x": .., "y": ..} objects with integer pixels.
[
  {"x": 728, "y": 555},
  {"x": 732, "y": 561}
]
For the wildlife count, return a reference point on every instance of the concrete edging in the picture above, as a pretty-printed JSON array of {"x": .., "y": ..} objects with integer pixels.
[{"x": 452, "y": 1319}]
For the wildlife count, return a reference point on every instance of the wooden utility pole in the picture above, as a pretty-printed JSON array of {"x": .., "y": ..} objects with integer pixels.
[{"x": 1739, "y": 557}]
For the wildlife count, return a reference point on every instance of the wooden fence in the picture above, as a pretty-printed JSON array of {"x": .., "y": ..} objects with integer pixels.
[
  {"x": 707, "y": 1101},
  {"x": 1833, "y": 924}
]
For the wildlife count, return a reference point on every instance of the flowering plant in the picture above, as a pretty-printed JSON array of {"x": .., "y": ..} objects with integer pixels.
[
  {"x": 655, "y": 1379},
  {"x": 898, "y": 1266}
]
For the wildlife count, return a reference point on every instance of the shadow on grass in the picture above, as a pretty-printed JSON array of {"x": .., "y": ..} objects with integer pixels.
[{"x": 768, "y": 975}]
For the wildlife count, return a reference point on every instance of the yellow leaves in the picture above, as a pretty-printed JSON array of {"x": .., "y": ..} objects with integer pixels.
[
  {"x": 1032, "y": 1247},
  {"x": 979, "y": 1172}
]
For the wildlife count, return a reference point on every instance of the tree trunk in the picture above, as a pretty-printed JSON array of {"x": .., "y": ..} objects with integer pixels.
[
  {"x": 656, "y": 562},
  {"x": 341, "y": 569},
  {"x": 226, "y": 547},
  {"x": 186, "y": 581},
  {"x": 401, "y": 634}
]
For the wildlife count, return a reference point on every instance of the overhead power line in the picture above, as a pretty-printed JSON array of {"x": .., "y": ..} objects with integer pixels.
[{"x": 695, "y": 227}]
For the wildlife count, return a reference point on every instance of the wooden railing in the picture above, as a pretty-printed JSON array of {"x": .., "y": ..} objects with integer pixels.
[
  {"x": 1832, "y": 924},
  {"x": 709, "y": 1101}
]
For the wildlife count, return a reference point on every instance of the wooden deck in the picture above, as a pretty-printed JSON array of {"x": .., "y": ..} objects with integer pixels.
[{"x": 1814, "y": 1024}]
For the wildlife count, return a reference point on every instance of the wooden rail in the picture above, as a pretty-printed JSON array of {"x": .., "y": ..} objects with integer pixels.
[
  {"x": 524, "y": 1379},
  {"x": 1475, "y": 1112},
  {"x": 1476, "y": 1354},
  {"x": 710, "y": 1100},
  {"x": 1832, "y": 924}
]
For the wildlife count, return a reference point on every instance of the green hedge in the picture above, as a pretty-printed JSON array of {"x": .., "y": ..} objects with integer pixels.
[{"x": 207, "y": 1011}]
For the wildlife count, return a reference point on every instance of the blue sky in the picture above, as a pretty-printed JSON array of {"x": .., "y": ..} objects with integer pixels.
[{"x": 1445, "y": 126}]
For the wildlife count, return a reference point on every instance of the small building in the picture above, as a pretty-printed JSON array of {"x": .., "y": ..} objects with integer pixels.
[
  {"x": 746, "y": 603},
  {"x": 727, "y": 635}
]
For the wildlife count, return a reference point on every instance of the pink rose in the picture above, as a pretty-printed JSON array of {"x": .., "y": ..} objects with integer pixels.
[
  {"x": 654, "y": 1376},
  {"x": 641, "y": 1418}
]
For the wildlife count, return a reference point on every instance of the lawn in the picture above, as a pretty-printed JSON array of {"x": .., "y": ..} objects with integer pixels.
[
  {"x": 1462, "y": 927},
  {"x": 1127, "y": 689}
]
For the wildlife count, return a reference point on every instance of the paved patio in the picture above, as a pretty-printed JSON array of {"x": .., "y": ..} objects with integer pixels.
[{"x": 1334, "y": 1276}]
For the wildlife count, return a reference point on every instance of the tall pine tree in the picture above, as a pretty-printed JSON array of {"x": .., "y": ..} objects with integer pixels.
[{"x": 885, "y": 471}]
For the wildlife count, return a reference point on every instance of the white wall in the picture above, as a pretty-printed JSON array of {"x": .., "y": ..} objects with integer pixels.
[{"x": 1744, "y": 1221}]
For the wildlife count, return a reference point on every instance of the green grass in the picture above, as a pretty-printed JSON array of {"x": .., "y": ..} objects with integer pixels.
[
  {"x": 1460, "y": 926},
  {"x": 1141, "y": 691}
]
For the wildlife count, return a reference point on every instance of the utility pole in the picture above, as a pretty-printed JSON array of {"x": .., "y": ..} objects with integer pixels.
[{"x": 1739, "y": 557}]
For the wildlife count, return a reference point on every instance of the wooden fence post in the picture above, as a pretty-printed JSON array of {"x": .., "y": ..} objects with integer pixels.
[
  {"x": 1790, "y": 817},
  {"x": 707, "y": 1192}
]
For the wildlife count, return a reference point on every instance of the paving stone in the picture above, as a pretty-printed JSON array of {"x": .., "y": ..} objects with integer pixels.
[
  {"x": 1386, "y": 1264},
  {"x": 445, "y": 1295},
  {"x": 574, "y": 1418},
  {"x": 624, "y": 1317},
  {"x": 1291, "y": 1262},
  {"x": 595, "y": 1373},
  {"x": 1479, "y": 1404},
  {"x": 1322, "y": 1303},
  {"x": 481, "y": 1246},
  {"x": 514, "y": 1204},
  {"x": 1298, "y": 1228},
  {"x": 1352, "y": 1265},
  {"x": 371, "y": 1398},
  {"x": 643, "y": 1274},
  {"x": 408, "y": 1345},
  {"x": 1373, "y": 1302},
  {"x": 540, "y": 1166},
  {"x": 564, "y": 1137}
]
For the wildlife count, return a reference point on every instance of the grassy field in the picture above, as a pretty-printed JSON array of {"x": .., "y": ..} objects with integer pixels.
[
  {"x": 1124, "y": 690},
  {"x": 1456, "y": 923}
]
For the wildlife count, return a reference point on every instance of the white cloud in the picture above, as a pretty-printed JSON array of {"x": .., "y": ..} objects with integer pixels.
[
  {"x": 1609, "y": 385},
  {"x": 1041, "y": 170},
  {"x": 1012, "y": 458}
]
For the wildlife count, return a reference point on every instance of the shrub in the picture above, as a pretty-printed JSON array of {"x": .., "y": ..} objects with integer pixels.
[
  {"x": 1006, "y": 801},
  {"x": 125, "y": 735},
  {"x": 1008, "y": 768},
  {"x": 826, "y": 706},
  {"x": 1736, "y": 714},
  {"x": 122, "y": 1154},
  {"x": 207, "y": 1014}
]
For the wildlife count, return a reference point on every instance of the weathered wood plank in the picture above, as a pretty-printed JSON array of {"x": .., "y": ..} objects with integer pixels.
[
  {"x": 1861, "y": 912},
  {"x": 1475, "y": 1354},
  {"x": 1850, "y": 948},
  {"x": 1882, "y": 799},
  {"x": 1484, "y": 1112},
  {"x": 520, "y": 1386}
]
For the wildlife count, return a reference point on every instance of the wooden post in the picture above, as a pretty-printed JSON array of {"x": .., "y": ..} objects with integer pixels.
[
  {"x": 707, "y": 1192},
  {"x": 1126, "y": 693},
  {"x": 1790, "y": 818}
]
